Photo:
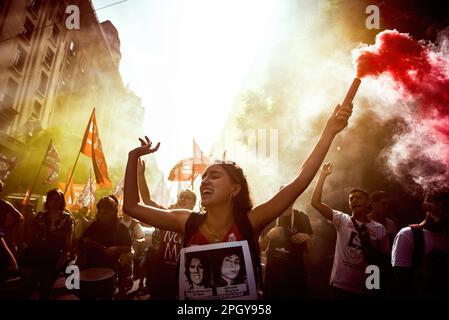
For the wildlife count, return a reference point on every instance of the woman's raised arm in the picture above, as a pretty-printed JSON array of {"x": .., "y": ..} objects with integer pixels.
[
  {"x": 173, "y": 220},
  {"x": 261, "y": 215}
]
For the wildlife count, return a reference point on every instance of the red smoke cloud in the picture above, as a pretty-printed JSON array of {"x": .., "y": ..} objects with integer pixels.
[
  {"x": 421, "y": 75},
  {"x": 413, "y": 65}
]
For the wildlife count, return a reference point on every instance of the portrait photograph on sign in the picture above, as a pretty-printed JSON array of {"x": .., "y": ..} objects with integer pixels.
[{"x": 217, "y": 271}]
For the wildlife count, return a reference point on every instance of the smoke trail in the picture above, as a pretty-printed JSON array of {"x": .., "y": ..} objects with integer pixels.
[{"x": 420, "y": 73}]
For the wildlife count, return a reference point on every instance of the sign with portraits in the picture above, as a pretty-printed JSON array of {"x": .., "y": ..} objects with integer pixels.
[{"x": 217, "y": 271}]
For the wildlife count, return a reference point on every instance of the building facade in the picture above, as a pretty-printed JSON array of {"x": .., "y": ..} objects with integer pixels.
[{"x": 52, "y": 76}]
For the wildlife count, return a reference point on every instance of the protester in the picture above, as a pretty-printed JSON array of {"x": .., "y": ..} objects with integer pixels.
[
  {"x": 225, "y": 197},
  {"x": 48, "y": 252},
  {"x": 360, "y": 241},
  {"x": 420, "y": 254}
]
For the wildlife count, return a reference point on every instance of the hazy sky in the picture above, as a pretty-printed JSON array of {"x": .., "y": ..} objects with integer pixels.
[{"x": 189, "y": 60}]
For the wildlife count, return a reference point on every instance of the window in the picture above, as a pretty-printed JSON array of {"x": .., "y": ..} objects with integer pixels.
[
  {"x": 19, "y": 59},
  {"x": 55, "y": 34},
  {"x": 28, "y": 28},
  {"x": 49, "y": 57},
  {"x": 43, "y": 83},
  {"x": 36, "y": 111},
  {"x": 10, "y": 94}
]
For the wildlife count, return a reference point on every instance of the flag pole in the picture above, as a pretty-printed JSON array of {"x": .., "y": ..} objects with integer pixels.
[
  {"x": 79, "y": 152},
  {"x": 90, "y": 190},
  {"x": 30, "y": 190},
  {"x": 71, "y": 173}
]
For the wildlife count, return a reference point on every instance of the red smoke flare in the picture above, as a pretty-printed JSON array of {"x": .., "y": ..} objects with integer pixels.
[{"x": 422, "y": 74}]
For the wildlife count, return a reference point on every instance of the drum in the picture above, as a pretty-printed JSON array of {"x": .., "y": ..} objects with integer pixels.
[{"x": 97, "y": 283}]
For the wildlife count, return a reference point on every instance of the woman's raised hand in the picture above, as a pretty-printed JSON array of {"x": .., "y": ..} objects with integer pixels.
[
  {"x": 339, "y": 119},
  {"x": 326, "y": 169},
  {"x": 145, "y": 147}
]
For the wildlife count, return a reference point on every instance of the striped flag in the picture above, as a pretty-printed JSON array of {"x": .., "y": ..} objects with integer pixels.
[
  {"x": 87, "y": 197},
  {"x": 53, "y": 163}
]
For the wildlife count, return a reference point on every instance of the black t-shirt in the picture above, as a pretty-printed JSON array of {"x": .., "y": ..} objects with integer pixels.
[
  {"x": 107, "y": 236},
  {"x": 300, "y": 224},
  {"x": 285, "y": 263}
]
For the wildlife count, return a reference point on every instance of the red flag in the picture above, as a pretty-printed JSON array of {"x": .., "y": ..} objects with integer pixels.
[
  {"x": 200, "y": 161},
  {"x": 91, "y": 147},
  {"x": 182, "y": 171}
]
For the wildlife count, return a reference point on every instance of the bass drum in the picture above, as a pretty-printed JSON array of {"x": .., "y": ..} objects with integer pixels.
[{"x": 97, "y": 284}]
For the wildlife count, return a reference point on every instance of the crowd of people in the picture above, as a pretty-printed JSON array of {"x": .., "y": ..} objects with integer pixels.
[{"x": 289, "y": 258}]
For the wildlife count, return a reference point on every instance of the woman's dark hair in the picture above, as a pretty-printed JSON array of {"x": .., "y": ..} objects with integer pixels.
[
  {"x": 220, "y": 256},
  {"x": 206, "y": 265},
  {"x": 59, "y": 195},
  {"x": 242, "y": 201}
]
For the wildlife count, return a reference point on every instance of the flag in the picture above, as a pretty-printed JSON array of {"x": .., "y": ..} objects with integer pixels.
[
  {"x": 87, "y": 197},
  {"x": 182, "y": 171},
  {"x": 118, "y": 191},
  {"x": 161, "y": 194},
  {"x": 200, "y": 161},
  {"x": 52, "y": 162},
  {"x": 6, "y": 165},
  {"x": 91, "y": 147},
  {"x": 69, "y": 194}
]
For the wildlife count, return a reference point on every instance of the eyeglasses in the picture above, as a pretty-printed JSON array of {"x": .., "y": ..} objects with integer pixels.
[{"x": 185, "y": 198}]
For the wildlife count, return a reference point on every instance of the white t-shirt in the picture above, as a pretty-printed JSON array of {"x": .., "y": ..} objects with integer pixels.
[
  {"x": 137, "y": 230},
  {"x": 348, "y": 271},
  {"x": 402, "y": 253}
]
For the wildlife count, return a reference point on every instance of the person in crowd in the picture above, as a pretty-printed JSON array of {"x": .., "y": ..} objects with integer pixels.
[
  {"x": 420, "y": 254},
  {"x": 170, "y": 243},
  {"x": 138, "y": 248},
  {"x": 228, "y": 211},
  {"x": 105, "y": 241},
  {"x": 11, "y": 221},
  {"x": 360, "y": 241},
  {"x": 380, "y": 204},
  {"x": 48, "y": 252},
  {"x": 8, "y": 263},
  {"x": 286, "y": 241}
]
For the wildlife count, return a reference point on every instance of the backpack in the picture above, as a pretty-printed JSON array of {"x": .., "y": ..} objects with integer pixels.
[
  {"x": 246, "y": 230},
  {"x": 418, "y": 245}
]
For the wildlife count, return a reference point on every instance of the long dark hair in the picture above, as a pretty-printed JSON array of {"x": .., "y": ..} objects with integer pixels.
[
  {"x": 242, "y": 201},
  {"x": 206, "y": 281},
  {"x": 60, "y": 195},
  {"x": 219, "y": 258}
]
